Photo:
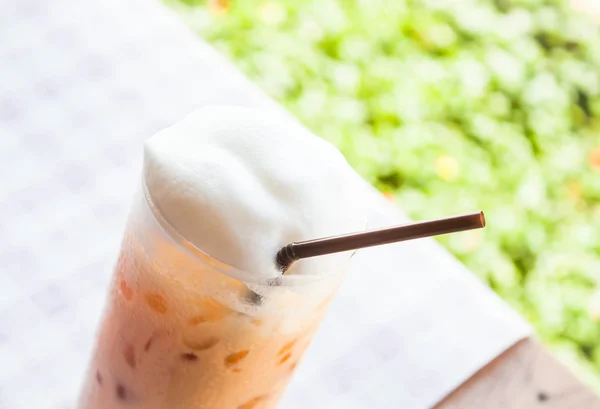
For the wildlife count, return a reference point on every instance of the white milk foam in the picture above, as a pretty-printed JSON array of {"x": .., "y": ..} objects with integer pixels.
[{"x": 240, "y": 183}]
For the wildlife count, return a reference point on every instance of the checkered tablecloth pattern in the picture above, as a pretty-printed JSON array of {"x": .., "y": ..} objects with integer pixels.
[{"x": 82, "y": 84}]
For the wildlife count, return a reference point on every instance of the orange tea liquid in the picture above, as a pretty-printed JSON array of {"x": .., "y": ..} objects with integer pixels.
[{"x": 183, "y": 331}]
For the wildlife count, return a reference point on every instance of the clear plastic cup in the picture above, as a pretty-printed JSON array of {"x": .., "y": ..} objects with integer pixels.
[{"x": 182, "y": 330}]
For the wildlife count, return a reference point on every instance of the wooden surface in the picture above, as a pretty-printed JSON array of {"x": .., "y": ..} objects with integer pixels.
[{"x": 524, "y": 377}]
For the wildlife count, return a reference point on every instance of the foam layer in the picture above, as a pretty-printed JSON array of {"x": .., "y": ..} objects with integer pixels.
[{"x": 240, "y": 183}]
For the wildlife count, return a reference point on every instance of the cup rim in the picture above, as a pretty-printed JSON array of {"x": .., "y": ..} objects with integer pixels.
[{"x": 222, "y": 267}]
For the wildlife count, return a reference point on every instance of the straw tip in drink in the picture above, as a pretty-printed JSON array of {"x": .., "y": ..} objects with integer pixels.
[{"x": 285, "y": 257}]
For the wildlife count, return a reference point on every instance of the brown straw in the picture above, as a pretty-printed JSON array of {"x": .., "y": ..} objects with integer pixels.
[{"x": 319, "y": 247}]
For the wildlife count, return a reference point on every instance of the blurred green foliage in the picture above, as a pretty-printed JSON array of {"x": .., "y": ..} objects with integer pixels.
[{"x": 451, "y": 106}]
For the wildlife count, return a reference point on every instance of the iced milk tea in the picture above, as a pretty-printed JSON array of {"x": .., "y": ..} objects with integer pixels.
[{"x": 182, "y": 330}]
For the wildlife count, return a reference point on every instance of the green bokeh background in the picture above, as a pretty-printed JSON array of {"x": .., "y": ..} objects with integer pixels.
[{"x": 451, "y": 106}]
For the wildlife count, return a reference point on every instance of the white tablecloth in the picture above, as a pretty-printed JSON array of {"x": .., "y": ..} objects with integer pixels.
[{"x": 82, "y": 84}]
